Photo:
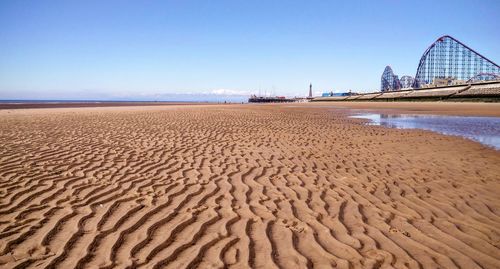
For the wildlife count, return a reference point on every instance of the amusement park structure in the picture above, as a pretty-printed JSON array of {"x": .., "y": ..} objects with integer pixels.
[
  {"x": 484, "y": 77},
  {"x": 389, "y": 81},
  {"x": 406, "y": 81},
  {"x": 447, "y": 61}
]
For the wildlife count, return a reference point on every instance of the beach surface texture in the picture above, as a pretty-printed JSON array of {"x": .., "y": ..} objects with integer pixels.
[{"x": 242, "y": 186}]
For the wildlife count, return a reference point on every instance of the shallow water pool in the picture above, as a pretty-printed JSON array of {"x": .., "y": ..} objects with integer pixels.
[{"x": 485, "y": 130}]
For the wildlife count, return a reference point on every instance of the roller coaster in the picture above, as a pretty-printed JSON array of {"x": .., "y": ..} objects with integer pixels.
[
  {"x": 449, "y": 58},
  {"x": 446, "y": 61},
  {"x": 389, "y": 81}
]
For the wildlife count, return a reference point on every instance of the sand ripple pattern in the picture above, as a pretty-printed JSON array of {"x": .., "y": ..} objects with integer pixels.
[{"x": 240, "y": 187}]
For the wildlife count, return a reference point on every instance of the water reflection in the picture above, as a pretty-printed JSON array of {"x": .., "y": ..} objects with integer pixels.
[{"x": 485, "y": 130}]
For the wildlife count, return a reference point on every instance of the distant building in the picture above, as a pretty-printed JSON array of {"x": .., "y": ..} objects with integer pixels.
[
  {"x": 448, "y": 81},
  {"x": 310, "y": 91},
  {"x": 328, "y": 94}
]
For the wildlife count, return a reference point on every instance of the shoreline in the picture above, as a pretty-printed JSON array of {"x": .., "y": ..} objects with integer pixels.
[
  {"x": 438, "y": 108},
  {"x": 81, "y": 104}
]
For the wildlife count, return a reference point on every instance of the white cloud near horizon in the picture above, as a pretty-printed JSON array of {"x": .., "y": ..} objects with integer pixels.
[{"x": 227, "y": 92}]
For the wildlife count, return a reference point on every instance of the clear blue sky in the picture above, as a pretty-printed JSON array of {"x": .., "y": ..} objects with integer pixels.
[{"x": 125, "y": 49}]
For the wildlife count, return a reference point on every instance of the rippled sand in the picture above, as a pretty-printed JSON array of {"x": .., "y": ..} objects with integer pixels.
[{"x": 239, "y": 186}]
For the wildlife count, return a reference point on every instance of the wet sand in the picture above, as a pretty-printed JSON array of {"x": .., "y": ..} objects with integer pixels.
[
  {"x": 240, "y": 186},
  {"x": 439, "y": 108}
]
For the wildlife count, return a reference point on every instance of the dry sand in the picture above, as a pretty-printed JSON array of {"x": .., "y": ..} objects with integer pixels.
[{"x": 239, "y": 186}]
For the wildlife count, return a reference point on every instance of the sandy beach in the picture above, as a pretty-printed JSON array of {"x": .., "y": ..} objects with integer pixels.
[{"x": 243, "y": 186}]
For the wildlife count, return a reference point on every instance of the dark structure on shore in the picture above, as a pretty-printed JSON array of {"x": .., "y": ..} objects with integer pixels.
[
  {"x": 280, "y": 99},
  {"x": 445, "y": 62},
  {"x": 270, "y": 99}
]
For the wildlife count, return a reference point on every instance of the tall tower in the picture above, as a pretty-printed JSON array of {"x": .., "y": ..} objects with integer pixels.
[{"x": 310, "y": 90}]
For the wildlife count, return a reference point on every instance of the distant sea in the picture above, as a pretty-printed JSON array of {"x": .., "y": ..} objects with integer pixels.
[{"x": 200, "y": 99}]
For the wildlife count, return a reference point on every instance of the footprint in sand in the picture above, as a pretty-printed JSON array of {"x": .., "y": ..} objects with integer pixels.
[
  {"x": 394, "y": 230},
  {"x": 198, "y": 209},
  {"x": 293, "y": 225}
]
